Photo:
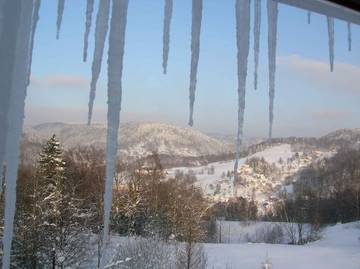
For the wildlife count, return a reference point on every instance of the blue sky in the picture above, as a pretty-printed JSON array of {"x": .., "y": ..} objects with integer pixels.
[{"x": 309, "y": 99}]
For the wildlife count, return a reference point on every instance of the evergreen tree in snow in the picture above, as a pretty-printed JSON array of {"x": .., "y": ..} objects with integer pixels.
[
  {"x": 51, "y": 232},
  {"x": 61, "y": 210}
]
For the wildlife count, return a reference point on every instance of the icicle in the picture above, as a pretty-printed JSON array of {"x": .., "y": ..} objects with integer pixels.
[
  {"x": 195, "y": 50},
  {"x": 89, "y": 11},
  {"x": 309, "y": 16},
  {"x": 1, "y": 14},
  {"x": 60, "y": 11},
  {"x": 242, "y": 9},
  {"x": 272, "y": 9},
  {"x": 15, "y": 123},
  {"x": 349, "y": 35},
  {"x": 330, "y": 24},
  {"x": 257, "y": 23},
  {"x": 35, "y": 20},
  {"x": 4, "y": 96},
  {"x": 101, "y": 29},
  {"x": 10, "y": 22},
  {"x": 115, "y": 68},
  {"x": 166, "y": 35}
]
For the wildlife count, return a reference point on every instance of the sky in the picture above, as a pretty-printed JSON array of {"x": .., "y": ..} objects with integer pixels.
[{"x": 309, "y": 99}]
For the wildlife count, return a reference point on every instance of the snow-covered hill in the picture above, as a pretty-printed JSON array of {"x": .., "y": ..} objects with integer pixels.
[
  {"x": 135, "y": 139},
  {"x": 344, "y": 134},
  {"x": 341, "y": 138},
  {"x": 217, "y": 178},
  {"x": 261, "y": 175}
]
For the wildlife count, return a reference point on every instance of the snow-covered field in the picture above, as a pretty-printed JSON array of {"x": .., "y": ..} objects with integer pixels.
[
  {"x": 339, "y": 248},
  {"x": 235, "y": 232}
]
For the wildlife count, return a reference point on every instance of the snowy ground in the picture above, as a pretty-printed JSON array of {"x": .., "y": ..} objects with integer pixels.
[
  {"x": 338, "y": 249},
  {"x": 235, "y": 232}
]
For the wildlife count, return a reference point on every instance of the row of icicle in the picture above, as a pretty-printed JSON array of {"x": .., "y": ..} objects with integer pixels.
[{"x": 24, "y": 33}]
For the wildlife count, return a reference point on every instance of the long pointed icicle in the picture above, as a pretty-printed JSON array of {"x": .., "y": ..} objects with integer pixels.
[
  {"x": 10, "y": 14},
  {"x": 272, "y": 10},
  {"x": 1, "y": 14},
  {"x": 115, "y": 70},
  {"x": 242, "y": 11},
  {"x": 330, "y": 25},
  {"x": 349, "y": 35},
  {"x": 60, "y": 12},
  {"x": 35, "y": 20},
  {"x": 166, "y": 34},
  {"x": 257, "y": 27},
  {"x": 15, "y": 123},
  {"x": 197, "y": 6},
  {"x": 309, "y": 16},
  {"x": 89, "y": 11},
  {"x": 101, "y": 29}
]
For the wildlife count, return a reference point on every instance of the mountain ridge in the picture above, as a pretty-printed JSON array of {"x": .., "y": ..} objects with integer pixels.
[
  {"x": 135, "y": 139},
  {"x": 180, "y": 144}
]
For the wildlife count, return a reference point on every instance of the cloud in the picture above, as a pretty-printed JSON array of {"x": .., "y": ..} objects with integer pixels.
[
  {"x": 60, "y": 81},
  {"x": 345, "y": 78},
  {"x": 330, "y": 115},
  {"x": 41, "y": 114}
]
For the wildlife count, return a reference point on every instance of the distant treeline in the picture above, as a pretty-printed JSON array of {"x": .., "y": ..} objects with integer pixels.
[{"x": 327, "y": 191}]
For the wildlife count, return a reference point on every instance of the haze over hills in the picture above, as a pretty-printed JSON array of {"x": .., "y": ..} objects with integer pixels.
[
  {"x": 135, "y": 139},
  {"x": 141, "y": 139}
]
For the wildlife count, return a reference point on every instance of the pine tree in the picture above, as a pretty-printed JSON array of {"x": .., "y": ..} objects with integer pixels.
[
  {"x": 51, "y": 231},
  {"x": 61, "y": 210}
]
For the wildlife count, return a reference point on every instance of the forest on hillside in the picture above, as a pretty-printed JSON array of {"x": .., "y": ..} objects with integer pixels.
[{"x": 59, "y": 221}]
